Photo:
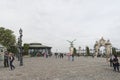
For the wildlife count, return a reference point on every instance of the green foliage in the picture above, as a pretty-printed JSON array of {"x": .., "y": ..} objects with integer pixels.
[
  {"x": 26, "y": 48},
  {"x": 13, "y": 49},
  {"x": 75, "y": 51},
  {"x": 118, "y": 53},
  {"x": 7, "y": 38},
  {"x": 114, "y": 51},
  {"x": 87, "y": 51}
]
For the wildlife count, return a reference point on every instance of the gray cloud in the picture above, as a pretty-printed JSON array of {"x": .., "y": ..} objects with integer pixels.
[{"x": 52, "y": 22}]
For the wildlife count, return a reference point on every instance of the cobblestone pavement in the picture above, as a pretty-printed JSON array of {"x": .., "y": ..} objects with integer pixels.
[{"x": 38, "y": 68}]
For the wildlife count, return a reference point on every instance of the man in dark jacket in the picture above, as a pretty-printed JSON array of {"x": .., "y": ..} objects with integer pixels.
[
  {"x": 115, "y": 63},
  {"x": 6, "y": 56}
]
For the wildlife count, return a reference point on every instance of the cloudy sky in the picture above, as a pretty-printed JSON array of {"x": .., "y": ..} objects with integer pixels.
[{"x": 53, "y": 22}]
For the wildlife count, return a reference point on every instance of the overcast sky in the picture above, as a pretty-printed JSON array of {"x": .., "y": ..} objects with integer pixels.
[{"x": 52, "y": 22}]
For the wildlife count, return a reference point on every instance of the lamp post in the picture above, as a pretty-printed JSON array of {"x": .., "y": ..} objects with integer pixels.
[{"x": 20, "y": 47}]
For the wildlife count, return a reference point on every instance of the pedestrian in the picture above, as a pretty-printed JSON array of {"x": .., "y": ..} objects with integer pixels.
[
  {"x": 6, "y": 56},
  {"x": 115, "y": 63},
  {"x": 11, "y": 59},
  {"x": 72, "y": 56},
  {"x": 111, "y": 60},
  {"x": 68, "y": 54}
]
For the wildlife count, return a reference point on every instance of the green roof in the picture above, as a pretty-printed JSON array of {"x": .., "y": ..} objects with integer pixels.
[{"x": 38, "y": 45}]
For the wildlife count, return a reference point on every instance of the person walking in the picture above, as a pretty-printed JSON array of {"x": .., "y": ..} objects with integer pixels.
[
  {"x": 11, "y": 59},
  {"x": 115, "y": 63},
  {"x": 111, "y": 60},
  {"x": 72, "y": 57}
]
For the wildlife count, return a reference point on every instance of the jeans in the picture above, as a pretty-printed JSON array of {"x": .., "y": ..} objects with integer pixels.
[
  {"x": 6, "y": 63},
  {"x": 116, "y": 66},
  {"x": 11, "y": 65}
]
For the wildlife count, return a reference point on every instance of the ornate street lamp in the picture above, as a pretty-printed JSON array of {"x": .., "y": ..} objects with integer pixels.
[{"x": 20, "y": 47}]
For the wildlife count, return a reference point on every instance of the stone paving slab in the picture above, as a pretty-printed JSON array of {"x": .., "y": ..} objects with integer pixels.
[{"x": 38, "y": 68}]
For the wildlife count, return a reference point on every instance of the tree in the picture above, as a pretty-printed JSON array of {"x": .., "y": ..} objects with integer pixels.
[
  {"x": 118, "y": 53},
  {"x": 74, "y": 51},
  {"x": 13, "y": 49},
  {"x": 114, "y": 51},
  {"x": 26, "y": 48},
  {"x": 88, "y": 51},
  {"x": 7, "y": 38}
]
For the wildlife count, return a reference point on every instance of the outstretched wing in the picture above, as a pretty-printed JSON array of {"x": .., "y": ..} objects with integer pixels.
[
  {"x": 73, "y": 40},
  {"x": 69, "y": 41}
]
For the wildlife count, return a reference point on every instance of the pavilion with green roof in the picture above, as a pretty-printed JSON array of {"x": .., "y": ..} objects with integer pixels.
[{"x": 37, "y": 49}]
